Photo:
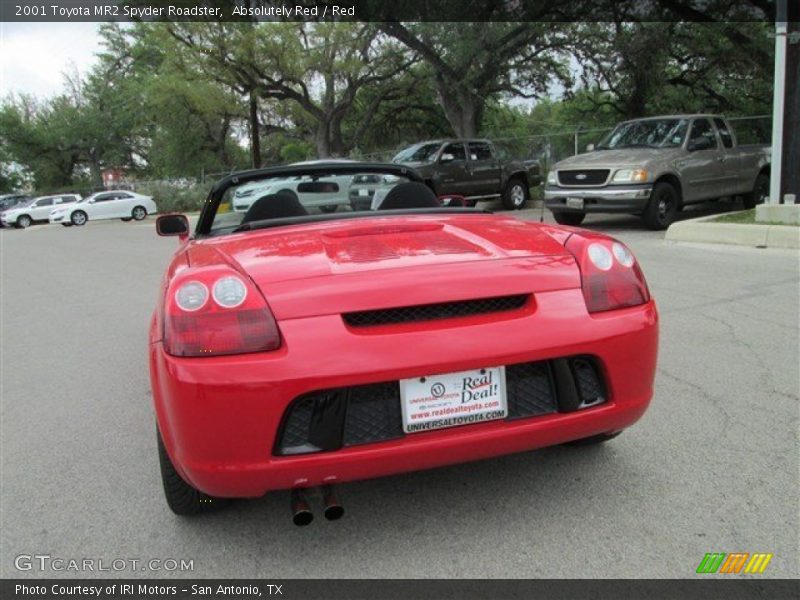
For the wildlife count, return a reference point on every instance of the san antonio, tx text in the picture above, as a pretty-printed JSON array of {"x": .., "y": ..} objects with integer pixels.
[{"x": 58, "y": 589}]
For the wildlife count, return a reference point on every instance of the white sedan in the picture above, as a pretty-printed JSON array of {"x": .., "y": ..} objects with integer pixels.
[
  {"x": 115, "y": 204},
  {"x": 36, "y": 210},
  {"x": 326, "y": 193}
]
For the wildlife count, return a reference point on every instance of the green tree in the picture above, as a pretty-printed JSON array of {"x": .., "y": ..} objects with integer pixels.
[{"x": 472, "y": 63}]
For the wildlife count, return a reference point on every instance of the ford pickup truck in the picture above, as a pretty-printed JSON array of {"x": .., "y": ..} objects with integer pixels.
[
  {"x": 473, "y": 169},
  {"x": 654, "y": 167}
]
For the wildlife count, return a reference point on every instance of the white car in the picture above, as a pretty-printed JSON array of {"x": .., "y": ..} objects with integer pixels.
[
  {"x": 114, "y": 204},
  {"x": 307, "y": 189},
  {"x": 36, "y": 210}
]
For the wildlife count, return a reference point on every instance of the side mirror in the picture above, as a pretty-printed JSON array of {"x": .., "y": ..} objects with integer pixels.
[
  {"x": 90, "y": 201},
  {"x": 452, "y": 200},
  {"x": 446, "y": 158},
  {"x": 173, "y": 225},
  {"x": 590, "y": 147}
]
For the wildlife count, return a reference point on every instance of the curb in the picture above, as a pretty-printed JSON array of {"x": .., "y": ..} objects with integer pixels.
[{"x": 704, "y": 230}]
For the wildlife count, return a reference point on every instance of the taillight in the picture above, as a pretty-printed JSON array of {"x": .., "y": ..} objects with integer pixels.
[
  {"x": 610, "y": 276},
  {"x": 215, "y": 311}
]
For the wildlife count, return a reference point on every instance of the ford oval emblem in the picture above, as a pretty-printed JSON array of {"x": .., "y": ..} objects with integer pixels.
[{"x": 580, "y": 176}]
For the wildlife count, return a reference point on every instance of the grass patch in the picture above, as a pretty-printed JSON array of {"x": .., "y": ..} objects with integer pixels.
[{"x": 746, "y": 217}]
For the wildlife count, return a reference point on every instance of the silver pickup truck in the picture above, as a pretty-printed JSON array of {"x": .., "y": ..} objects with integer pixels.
[{"x": 654, "y": 167}]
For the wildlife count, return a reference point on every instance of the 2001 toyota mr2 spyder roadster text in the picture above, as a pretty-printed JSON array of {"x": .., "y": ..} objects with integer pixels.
[{"x": 294, "y": 350}]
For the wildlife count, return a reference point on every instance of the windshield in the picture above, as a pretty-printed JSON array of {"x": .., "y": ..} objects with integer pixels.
[
  {"x": 649, "y": 133},
  {"x": 320, "y": 195},
  {"x": 425, "y": 152}
]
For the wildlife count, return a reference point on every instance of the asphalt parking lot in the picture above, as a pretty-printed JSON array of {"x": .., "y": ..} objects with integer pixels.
[{"x": 712, "y": 467}]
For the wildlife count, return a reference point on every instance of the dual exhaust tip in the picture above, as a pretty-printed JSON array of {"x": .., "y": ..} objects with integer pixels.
[{"x": 301, "y": 510}]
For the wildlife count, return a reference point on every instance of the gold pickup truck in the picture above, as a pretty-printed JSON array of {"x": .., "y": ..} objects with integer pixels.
[{"x": 654, "y": 167}]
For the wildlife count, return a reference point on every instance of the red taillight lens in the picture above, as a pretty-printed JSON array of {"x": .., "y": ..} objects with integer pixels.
[
  {"x": 218, "y": 326},
  {"x": 610, "y": 276}
]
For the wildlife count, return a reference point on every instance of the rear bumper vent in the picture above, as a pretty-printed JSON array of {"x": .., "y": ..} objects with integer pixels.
[
  {"x": 328, "y": 420},
  {"x": 433, "y": 312}
]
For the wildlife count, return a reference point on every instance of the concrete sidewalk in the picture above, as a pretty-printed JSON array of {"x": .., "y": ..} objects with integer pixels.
[{"x": 706, "y": 230}]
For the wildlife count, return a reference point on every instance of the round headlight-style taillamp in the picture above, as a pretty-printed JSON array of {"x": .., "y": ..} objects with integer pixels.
[
  {"x": 191, "y": 296},
  {"x": 229, "y": 292},
  {"x": 600, "y": 256},
  {"x": 622, "y": 254}
]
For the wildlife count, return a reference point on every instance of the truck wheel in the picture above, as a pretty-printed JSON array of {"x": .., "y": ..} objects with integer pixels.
[
  {"x": 565, "y": 218},
  {"x": 760, "y": 192},
  {"x": 182, "y": 498},
  {"x": 516, "y": 194},
  {"x": 662, "y": 207}
]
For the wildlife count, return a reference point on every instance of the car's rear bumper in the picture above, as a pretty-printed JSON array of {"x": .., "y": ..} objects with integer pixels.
[
  {"x": 219, "y": 417},
  {"x": 609, "y": 199}
]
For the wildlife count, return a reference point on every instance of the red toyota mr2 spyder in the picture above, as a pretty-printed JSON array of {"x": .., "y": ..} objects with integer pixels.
[{"x": 298, "y": 343}]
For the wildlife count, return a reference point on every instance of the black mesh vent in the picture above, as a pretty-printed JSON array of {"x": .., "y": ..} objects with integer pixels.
[
  {"x": 431, "y": 312},
  {"x": 529, "y": 390},
  {"x": 373, "y": 414},
  {"x": 296, "y": 429},
  {"x": 590, "y": 385},
  {"x": 583, "y": 177},
  {"x": 329, "y": 420}
]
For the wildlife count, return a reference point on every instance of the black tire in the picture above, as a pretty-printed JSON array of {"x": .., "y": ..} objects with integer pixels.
[
  {"x": 331, "y": 208},
  {"x": 66, "y": 224},
  {"x": 23, "y": 222},
  {"x": 593, "y": 440},
  {"x": 182, "y": 498},
  {"x": 566, "y": 218},
  {"x": 471, "y": 203},
  {"x": 126, "y": 219},
  {"x": 78, "y": 218},
  {"x": 662, "y": 207},
  {"x": 139, "y": 213},
  {"x": 759, "y": 194},
  {"x": 516, "y": 194}
]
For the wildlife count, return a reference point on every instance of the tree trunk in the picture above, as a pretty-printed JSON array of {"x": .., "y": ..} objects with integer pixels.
[
  {"x": 322, "y": 139},
  {"x": 255, "y": 142},
  {"x": 462, "y": 109}
]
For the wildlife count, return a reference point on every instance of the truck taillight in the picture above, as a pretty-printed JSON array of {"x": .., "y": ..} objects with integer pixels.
[
  {"x": 610, "y": 276},
  {"x": 216, "y": 312}
]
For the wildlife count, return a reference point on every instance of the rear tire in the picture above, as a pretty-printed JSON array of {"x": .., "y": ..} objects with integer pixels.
[
  {"x": 759, "y": 194},
  {"x": 593, "y": 440},
  {"x": 78, "y": 218},
  {"x": 565, "y": 218},
  {"x": 139, "y": 213},
  {"x": 181, "y": 497},
  {"x": 516, "y": 194},
  {"x": 662, "y": 207}
]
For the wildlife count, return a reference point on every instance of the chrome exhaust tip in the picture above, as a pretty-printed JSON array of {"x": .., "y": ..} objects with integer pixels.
[
  {"x": 301, "y": 511},
  {"x": 333, "y": 508}
]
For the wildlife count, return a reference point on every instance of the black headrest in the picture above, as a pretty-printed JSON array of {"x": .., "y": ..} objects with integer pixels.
[
  {"x": 411, "y": 194},
  {"x": 275, "y": 206}
]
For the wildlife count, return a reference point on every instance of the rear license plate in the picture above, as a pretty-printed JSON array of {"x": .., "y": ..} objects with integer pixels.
[
  {"x": 363, "y": 192},
  {"x": 453, "y": 399},
  {"x": 575, "y": 203}
]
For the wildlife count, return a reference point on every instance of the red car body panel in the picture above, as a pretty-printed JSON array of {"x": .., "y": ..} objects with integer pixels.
[{"x": 219, "y": 416}]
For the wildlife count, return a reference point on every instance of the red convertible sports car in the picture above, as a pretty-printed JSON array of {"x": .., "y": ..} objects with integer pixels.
[{"x": 295, "y": 347}]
